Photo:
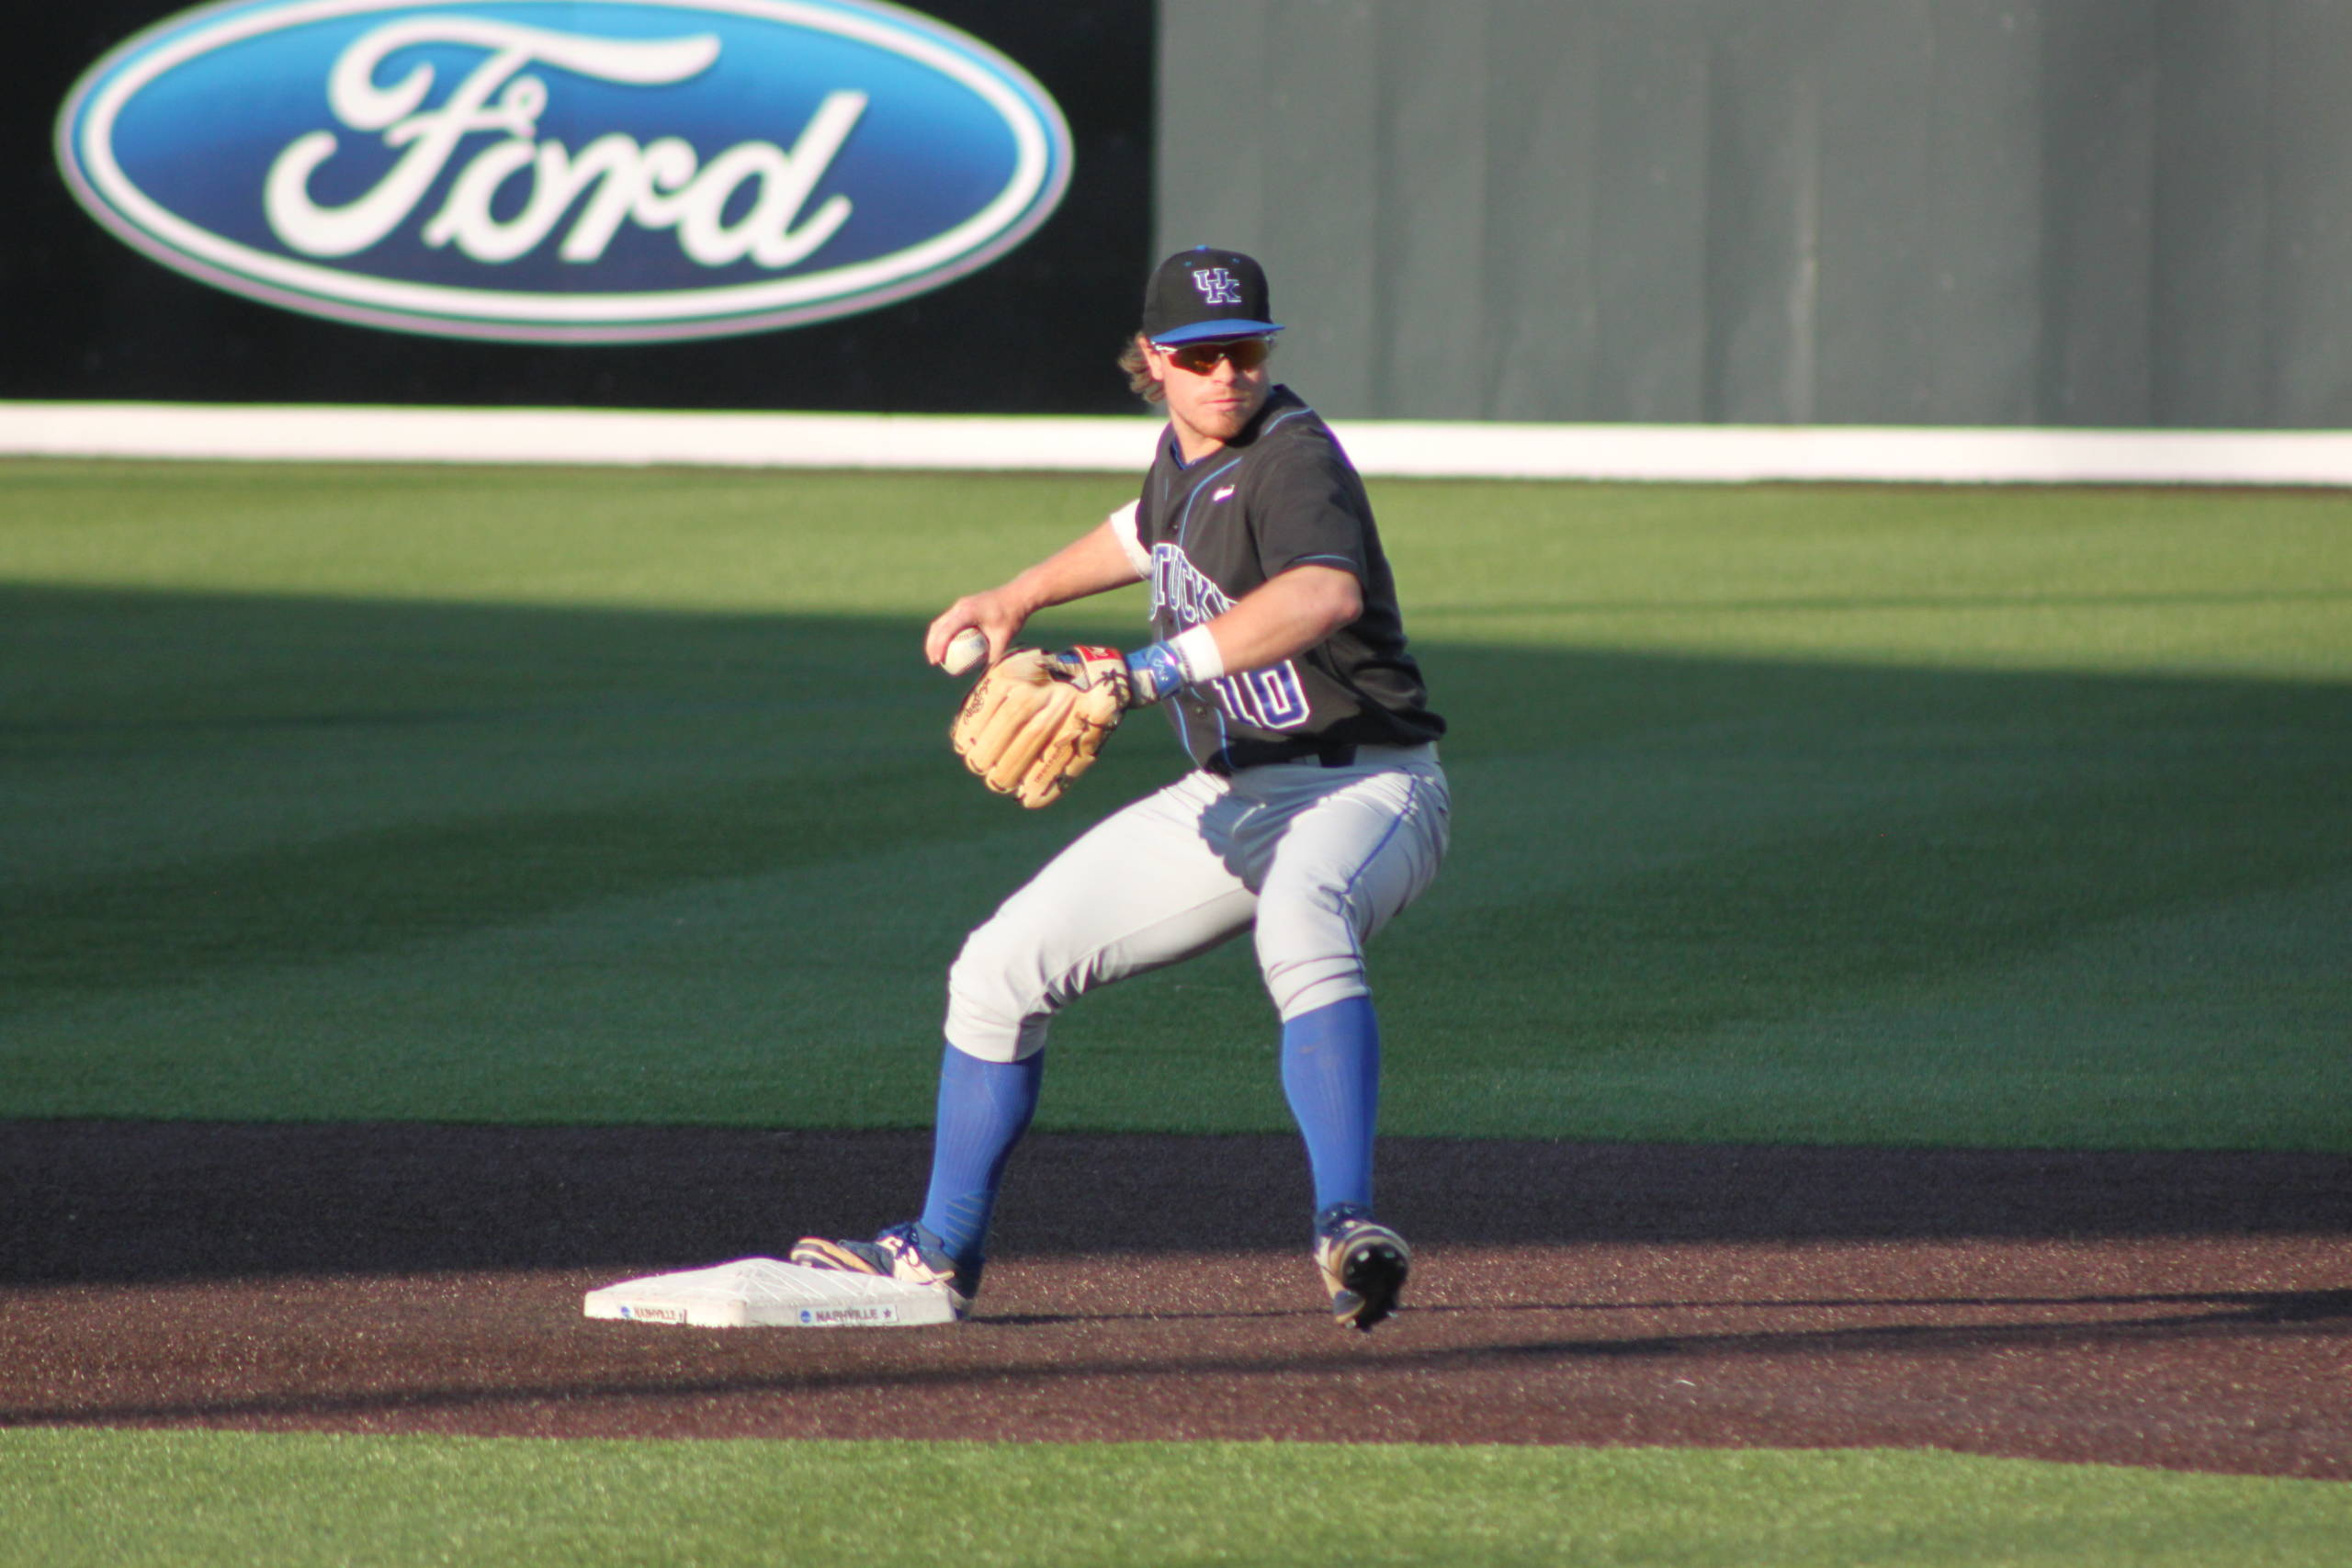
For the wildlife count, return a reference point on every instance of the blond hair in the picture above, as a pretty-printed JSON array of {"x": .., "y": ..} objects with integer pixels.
[{"x": 1140, "y": 381}]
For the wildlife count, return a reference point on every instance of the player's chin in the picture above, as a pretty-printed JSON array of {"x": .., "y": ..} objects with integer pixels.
[{"x": 1227, "y": 419}]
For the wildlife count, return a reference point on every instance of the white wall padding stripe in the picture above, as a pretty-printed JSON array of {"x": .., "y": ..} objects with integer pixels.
[{"x": 1705, "y": 454}]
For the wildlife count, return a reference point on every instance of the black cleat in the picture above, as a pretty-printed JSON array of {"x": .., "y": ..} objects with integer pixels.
[{"x": 1363, "y": 1265}]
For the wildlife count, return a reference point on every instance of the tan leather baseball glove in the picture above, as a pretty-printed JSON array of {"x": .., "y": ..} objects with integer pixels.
[{"x": 1037, "y": 720}]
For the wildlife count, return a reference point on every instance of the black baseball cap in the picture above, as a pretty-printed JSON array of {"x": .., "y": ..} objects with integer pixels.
[{"x": 1205, "y": 294}]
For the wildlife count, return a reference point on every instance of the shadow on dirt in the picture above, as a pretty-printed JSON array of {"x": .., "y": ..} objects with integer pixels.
[{"x": 114, "y": 1202}]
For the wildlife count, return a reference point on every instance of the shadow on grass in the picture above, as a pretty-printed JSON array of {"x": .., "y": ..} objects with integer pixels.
[{"x": 204, "y": 785}]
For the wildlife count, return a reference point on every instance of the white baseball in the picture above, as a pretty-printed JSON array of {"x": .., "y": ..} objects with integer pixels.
[{"x": 966, "y": 652}]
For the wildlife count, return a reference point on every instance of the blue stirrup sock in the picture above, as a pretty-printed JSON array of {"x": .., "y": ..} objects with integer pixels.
[
  {"x": 1332, "y": 1077},
  {"x": 984, "y": 1108}
]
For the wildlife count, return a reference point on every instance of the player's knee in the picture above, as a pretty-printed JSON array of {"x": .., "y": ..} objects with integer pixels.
[
  {"x": 997, "y": 1009},
  {"x": 1311, "y": 949}
]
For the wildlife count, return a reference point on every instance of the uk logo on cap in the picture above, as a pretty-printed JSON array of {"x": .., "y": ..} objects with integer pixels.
[{"x": 1217, "y": 285}]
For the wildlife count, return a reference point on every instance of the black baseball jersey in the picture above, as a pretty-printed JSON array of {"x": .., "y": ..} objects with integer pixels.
[{"x": 1281, "y": 494}]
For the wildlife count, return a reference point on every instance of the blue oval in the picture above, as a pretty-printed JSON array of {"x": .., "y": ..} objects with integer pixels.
[{"x": 583, "y": 171}]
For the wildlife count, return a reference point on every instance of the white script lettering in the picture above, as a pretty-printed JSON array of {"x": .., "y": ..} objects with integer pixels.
[{"x": 661, "y": 184}]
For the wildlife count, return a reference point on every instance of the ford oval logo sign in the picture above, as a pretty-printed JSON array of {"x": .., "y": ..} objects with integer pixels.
[{"x": 583, "y": 171}]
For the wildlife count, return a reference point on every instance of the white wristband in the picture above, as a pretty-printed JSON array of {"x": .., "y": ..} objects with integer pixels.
[{"x": 1198, "y": 650}]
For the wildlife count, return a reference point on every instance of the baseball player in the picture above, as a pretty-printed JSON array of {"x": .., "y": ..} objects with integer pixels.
[{"x": 1315, "y": 810}]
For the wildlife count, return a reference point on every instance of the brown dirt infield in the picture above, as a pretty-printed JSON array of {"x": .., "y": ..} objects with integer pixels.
[{"x": 2186, "y": 1311}]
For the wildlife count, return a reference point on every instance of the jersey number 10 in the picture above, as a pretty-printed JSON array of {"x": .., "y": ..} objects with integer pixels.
[{"x": 1269, "y": 699}]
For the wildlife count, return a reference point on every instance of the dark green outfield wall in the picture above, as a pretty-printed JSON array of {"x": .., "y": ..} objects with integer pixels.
[
  {"x": 2072, "y": 212},
  {"x": 2054, "y": 212}
]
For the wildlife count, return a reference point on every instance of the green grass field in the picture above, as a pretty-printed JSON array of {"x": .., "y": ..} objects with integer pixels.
[
  {"x": 1783, "y": 814},
  {"x": 144, "y": 1497}
]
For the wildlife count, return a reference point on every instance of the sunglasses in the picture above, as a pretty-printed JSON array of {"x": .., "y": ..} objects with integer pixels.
[{"x": 1199, "y": 358}]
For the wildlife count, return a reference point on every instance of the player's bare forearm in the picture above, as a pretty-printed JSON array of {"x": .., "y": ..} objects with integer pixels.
[
  {"x": 1285, "y": 615},
  {"x": 1095, "y": 562}
]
